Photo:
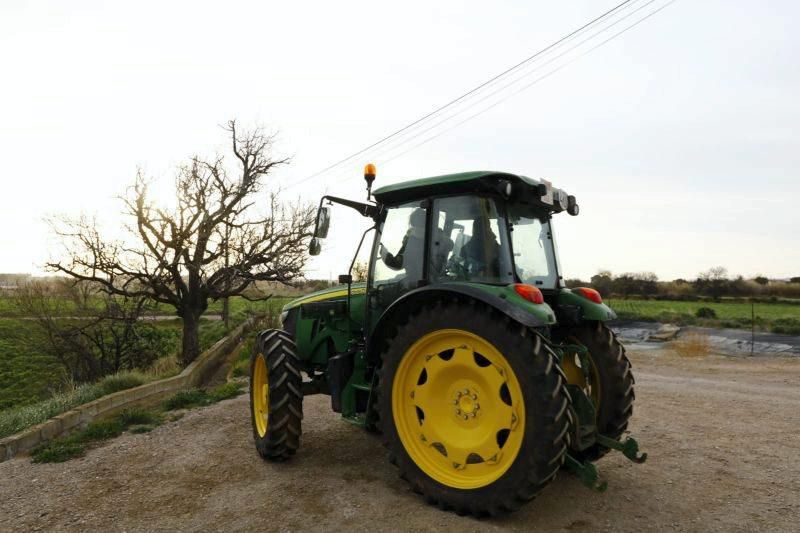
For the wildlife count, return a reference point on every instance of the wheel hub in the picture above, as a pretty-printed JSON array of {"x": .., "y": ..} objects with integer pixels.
[{"x": 466, "y": 402}]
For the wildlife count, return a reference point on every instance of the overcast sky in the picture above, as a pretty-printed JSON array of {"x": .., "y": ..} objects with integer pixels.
[{"x": 679, "y": 137}]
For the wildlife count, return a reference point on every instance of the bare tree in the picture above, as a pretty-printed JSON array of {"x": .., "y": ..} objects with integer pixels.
[
  {"x": 91, "y": 334},
  {"x": 360, "y": 271},
  {"x": 178, "y": 255}
]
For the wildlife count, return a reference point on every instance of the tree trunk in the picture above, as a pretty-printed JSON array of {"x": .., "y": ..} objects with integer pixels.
[
  {"x": 190, "y": 342},
  {"x": 226, "y": 312}
]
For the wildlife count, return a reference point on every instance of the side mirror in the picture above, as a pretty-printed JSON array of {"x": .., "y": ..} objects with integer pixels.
[
  {"x": 314, "y": 247},
  {"x": 572, "y": 206},
  {"x": 323, "y": 223}
]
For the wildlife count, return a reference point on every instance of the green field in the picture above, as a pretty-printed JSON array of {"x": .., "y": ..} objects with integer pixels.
[
  {"x": 27, "y": 375},
  {"x": 778, "y": 317},
  {"x": 238, "y": 306}
]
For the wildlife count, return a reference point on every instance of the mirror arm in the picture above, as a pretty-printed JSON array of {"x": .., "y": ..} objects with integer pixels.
[{"x": 365, "y": 210}]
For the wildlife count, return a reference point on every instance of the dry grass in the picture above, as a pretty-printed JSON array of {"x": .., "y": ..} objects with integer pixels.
[
  {"x": 692, "y": 345},
  {"x": 164, "y": 367}
]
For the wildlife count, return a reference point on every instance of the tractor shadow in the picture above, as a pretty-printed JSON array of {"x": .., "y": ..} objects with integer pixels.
[{"x": 350, "y": 466}]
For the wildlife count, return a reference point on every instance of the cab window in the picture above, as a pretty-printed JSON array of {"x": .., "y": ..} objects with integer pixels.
[{"x": 469, "y": 241}]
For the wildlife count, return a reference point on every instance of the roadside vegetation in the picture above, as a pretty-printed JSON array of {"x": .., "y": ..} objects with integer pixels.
[
  {"x": 713, "y": 299},
  {"x": 136, "y": 420},
  {"x": 775, "y": 317},
  {"x": 36, "y": 381},
  {"x": 17, "y": 419}
]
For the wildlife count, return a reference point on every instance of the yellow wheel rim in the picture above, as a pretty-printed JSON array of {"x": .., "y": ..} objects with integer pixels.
[
  {"x": 571, "y": 364},
  {"x": 458, "y": 409},
  {"x": 260, "y": 397}
]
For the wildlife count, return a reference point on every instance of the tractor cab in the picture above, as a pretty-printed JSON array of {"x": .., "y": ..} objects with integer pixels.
[
  {"x": 463, "y": 347},
  {"x": 480, "y": 228}
]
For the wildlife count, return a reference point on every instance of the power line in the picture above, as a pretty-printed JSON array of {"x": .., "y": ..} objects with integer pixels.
[
  {"x": 512, "y": 83},
  {"x": 534, "y": 82},
  {"x": 466, "y": 94}
]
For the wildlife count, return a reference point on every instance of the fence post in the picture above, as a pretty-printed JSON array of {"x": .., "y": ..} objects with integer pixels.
[{"x": 752, "y": 327}]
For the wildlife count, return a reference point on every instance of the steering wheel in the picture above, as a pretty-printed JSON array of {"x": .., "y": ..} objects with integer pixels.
[{"x": 459, "y": 267}]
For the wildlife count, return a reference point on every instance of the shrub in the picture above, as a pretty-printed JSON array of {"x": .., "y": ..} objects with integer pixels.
[
  {"x": 241, "y": 368},
  {"x": 226, "y": 392},
  {"x": 705, "y": 312},
  {"x": 111, "y": 338},
  {"x": 199, "y": 397},
  {"x": 786, "y": 326},
  {"x": 58, "y": 451},
  {"x": 186, "y": 399},
  {"x": 102, "y": 429},
  {"x": 65, "y": 448},
  {"x": 692, "y": 345},
  {"x": 121, "y": 381},
  {"x": 139, "y": 416}
]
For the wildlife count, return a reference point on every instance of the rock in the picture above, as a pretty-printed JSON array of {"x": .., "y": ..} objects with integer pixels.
[{"x": 666, "y": 332}]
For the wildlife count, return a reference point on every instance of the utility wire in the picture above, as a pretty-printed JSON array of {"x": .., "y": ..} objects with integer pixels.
[
  {"x": 534, "y": 82},
  {"x": 510, "y": 84},
  {"x": 466, "y": 94}
]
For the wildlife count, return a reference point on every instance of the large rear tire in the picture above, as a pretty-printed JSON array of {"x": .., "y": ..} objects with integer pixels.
[
  {"x": 611, "y": 383},
  {"x": 473, "y": 408},
  {"x": 276, "y": 398}
]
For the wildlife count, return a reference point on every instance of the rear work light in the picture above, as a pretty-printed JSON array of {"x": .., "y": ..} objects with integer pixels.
[
  {"x": 529, "y": 292},
  {"x": 589, "y": 294}
]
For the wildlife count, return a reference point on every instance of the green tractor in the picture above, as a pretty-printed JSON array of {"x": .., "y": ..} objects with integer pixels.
[{"x": 483, "y": 372}]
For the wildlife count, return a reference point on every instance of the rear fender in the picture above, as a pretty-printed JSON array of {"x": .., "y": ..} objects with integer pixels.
[
  {"x": 418, "y": 297},
  {"x": 573, "y": 309}
]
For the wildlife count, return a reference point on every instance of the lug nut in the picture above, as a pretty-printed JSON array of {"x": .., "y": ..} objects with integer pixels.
[
  {"x": 474, "y": 396},
  {"x": 466, "y": 391},
  {"x": 458, "y": 411}
]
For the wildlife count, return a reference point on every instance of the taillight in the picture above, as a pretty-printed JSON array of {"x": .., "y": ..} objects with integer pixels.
[
  {"x": 589, "y": 294},
  {"x": 529, "y": 292}
]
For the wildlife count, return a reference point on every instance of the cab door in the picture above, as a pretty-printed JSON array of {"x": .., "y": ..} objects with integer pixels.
[{"x": 398, "y": 256}]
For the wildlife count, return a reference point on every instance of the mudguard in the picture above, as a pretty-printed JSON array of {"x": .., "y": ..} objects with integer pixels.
[
  {"x": 503, "y": 298},
  {"x": 574, "y": 308}
]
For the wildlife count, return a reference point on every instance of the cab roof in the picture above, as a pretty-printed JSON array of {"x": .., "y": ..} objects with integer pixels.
[{"x": 477, "y": 181}]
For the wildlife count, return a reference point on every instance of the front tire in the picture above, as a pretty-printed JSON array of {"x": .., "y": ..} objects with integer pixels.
[
  {"x": 276, "y": 400},
  {"x": 473, "y": 408}
]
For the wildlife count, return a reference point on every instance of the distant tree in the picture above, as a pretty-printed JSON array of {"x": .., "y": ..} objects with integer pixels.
[
  {"x": 761, "y": 280},
  {"x": 603, "y": 282},
  {"x": 624, "y": 285},
  {"x": 571, "y": 283},
  {"x": 713, "y": 282},
  {"x": 795, "y": 279},
  {"x": 360, "y": 271},
  {"x": 178, "y": 255}
]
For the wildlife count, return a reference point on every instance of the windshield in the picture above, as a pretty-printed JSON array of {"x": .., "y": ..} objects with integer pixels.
[
  {"x": 532, "y": 238},
  {"x": 469, "y": 241}
]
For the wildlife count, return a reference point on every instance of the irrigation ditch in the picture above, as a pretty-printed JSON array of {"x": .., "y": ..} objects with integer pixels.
[{"x": 200, "y": 371}]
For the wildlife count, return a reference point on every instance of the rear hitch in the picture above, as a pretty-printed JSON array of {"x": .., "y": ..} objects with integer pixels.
[
  {"x": 587, "y": 473},
  {"x": 629, "y": 448}
]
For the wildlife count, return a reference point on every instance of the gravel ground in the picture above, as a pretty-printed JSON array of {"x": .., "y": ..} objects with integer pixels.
[{"x": 721, "y": 434}]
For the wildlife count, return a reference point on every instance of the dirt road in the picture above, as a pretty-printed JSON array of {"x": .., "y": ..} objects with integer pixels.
[{"x": 722, "y": 435}]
